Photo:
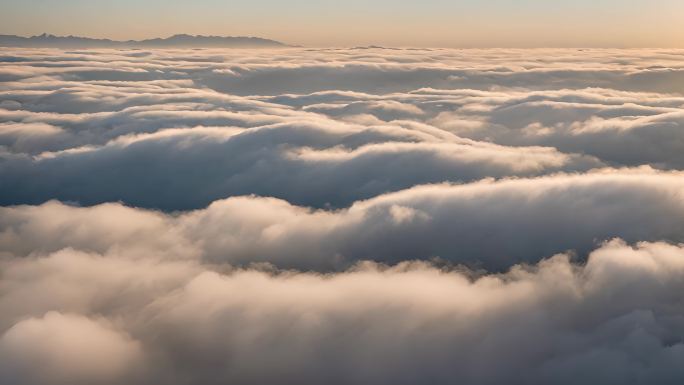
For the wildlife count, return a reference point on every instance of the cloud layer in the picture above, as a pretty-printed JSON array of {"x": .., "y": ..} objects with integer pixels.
[
  {"x": 366, "y": 215},
  {"x": 121, "y": 125},
  {"x": 487, "y": 224},
  {"x": 152, "y": 320}
]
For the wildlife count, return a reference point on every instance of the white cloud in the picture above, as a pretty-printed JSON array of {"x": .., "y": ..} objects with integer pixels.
[
  {"x": 491, "y": 224},
  {"x": 614, "y": 318},
  {"x": 367, "y": 216},
  {"x": 66, "y": 349}
]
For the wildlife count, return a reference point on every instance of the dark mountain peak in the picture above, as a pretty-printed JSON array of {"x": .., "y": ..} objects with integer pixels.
[{"x": 175, "y": 41}]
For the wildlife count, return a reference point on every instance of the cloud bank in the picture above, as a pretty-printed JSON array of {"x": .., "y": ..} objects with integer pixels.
[
  {"x": 487, "y": 224},
  {"x": 615, "y": 319},
  {"x": 365, "y": 215},
  {"x": 121, "y": 125}
]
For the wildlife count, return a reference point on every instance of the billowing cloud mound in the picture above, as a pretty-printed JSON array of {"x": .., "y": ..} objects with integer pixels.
[
  {"x": 484, "y": 224},
  {"x": 67, "y": 349},
  {"x": 370, "y": 216},
  {"x": 615, "y": 319},
  {"x": 305, "y": 164}
]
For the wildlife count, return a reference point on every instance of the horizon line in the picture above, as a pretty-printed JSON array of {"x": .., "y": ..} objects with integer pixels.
[{"x": 349, "y": 46}]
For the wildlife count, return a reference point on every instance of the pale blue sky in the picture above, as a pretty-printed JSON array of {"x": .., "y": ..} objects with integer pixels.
[{"x": 625, "y": 23}]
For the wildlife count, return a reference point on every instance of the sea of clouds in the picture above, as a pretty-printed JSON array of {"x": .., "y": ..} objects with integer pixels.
[{"x": 338, "y": 216}]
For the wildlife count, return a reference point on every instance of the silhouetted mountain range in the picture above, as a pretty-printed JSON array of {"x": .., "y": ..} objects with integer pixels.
[{"x": 175, "y": 41}]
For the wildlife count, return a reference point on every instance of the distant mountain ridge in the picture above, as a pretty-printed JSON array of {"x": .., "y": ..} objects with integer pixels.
[{"x": 176, "y": 41}]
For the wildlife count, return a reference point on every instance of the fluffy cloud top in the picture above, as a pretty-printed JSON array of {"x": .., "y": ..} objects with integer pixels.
[
  {"x": 99, "y": 126},
  {"x": 67, "y": 349},
  {"x": 615, "y": 319},
  {"x": 489, "y": 224}
]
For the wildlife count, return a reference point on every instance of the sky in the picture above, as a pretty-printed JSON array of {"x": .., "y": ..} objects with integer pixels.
[{"x": 430, "y": 23}]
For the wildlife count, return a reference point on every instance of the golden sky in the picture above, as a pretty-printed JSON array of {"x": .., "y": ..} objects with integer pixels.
[{"x": 456, "y": 23}]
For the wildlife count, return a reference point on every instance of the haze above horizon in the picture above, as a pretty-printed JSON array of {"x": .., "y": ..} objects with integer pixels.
[{"x": 428, "y": 23}]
